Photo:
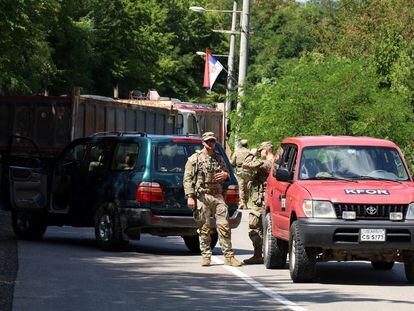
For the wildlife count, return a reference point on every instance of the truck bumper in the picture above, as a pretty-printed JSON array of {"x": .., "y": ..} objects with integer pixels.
[
  {"x": 144, "y": 218},
  {"x": 342, "y": 234}
]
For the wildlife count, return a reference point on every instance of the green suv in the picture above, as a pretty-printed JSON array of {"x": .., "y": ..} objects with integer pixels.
[{"x": 122, "y": 184}]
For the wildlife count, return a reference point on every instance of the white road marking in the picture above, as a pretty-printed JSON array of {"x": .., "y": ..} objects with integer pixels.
[{"x": 275, "y": 296}]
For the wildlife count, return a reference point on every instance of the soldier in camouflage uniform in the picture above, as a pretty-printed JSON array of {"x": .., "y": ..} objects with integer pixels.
[
  {"x": 236, "y": 161},
  {"x": 260, "y": 168},
  {"x": 204, "y": 172}
]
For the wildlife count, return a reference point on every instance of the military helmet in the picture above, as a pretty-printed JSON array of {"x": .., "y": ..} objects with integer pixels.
[
  {"x": 208, "y": 136},
  {"x": 265, "y": 144}
]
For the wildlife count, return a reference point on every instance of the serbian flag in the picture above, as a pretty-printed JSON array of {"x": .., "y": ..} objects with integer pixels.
[{"x": 212, "y": 69}]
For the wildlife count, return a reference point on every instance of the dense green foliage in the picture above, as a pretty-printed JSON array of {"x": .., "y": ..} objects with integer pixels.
[
  {"x": 97, "y": 44},
  {"x": 331, "y": 68}
]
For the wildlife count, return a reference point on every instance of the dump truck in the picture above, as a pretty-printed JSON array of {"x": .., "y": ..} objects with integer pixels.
[{"x": 50, "y": 123}]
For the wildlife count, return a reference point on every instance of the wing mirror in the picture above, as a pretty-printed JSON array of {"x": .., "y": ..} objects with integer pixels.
[{"x": 283, "y": 174}]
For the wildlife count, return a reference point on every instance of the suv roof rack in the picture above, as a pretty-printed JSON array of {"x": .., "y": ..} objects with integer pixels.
[
  {"x": 115, "y": 133},
  {"x": 191, "y": 135}
]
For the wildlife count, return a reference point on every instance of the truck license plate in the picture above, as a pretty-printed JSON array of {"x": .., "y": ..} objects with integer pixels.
[{"x": 372, "y": 235}]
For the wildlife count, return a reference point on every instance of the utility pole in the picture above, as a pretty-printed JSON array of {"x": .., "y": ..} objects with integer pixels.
[
  {"x": 230, "y": 71},
  {"x": 244, "y": 47}
]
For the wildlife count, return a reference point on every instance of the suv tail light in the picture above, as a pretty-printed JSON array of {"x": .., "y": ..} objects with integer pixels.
[
  {"x": 149, "y": 192},
  {"x": 232, "y": 195}
]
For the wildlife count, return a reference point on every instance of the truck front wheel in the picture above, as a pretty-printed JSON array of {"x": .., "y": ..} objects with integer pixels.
[
  {"x": 28, "y": 226},
  {"x": 302, "y": 260},
  {"x": 274, "y": 249}
]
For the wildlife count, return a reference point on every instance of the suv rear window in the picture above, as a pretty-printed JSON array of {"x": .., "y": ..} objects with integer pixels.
[{"x": 172, "y": 156}]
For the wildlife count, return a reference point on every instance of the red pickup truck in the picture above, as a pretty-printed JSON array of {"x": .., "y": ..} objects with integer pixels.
[{"x": 342, "y": 199}]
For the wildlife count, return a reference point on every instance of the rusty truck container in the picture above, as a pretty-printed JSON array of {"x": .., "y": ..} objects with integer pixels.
[{"x": 52, "y": 122}]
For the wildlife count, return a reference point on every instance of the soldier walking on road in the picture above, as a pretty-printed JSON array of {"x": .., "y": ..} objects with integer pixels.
[
  {"x": 204, "y": 172},
  {"x": 236, "y": 161},
  {"x": 260, "y": 168}
]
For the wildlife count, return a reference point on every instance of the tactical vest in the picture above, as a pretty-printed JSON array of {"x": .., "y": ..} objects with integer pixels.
[{"x": 206, "y": 167}]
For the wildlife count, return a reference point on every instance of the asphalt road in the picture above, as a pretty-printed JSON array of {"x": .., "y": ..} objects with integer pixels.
[{"x": 65, "y": 271}]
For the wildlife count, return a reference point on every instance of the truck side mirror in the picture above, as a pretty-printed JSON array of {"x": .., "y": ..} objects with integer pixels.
[
  {"x": 228, "y": 128},
  {"x": 283, "y": 174}
]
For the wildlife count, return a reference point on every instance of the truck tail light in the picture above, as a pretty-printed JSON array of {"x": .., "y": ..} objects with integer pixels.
[
  {"x": 149, "y": 192},
  {"x": 232, "y": 195}
]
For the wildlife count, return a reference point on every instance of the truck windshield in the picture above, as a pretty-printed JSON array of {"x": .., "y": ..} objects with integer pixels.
[{"x": 353, "y": 162}]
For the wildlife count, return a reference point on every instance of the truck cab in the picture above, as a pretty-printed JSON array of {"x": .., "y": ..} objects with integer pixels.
[{"x": 342, "y": 199}]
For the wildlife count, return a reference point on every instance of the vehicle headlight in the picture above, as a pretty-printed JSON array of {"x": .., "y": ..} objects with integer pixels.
[
  {"x": 410, "y": 212},
  {"x": 320, "y": 209}
]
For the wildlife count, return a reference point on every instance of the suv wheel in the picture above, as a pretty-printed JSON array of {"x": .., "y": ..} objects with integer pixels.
[
  {"x": 28, "y": 226},
  {"x": 382, "y": 265},
  {"x": 274, "y": 249},
  {"x": 108, "y": 230},
  {"x": 193, "y": 243},
  {"x": 302, "y": 260}
]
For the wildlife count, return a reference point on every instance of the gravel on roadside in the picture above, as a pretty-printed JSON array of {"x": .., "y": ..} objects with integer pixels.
[{"x": 8, "y": 261}]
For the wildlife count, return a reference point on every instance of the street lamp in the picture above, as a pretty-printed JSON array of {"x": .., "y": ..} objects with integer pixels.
[
  {"x": 200, "y": 53},
  {"x": 200, "y": 9},
  {"x": 230, "y": 60}
]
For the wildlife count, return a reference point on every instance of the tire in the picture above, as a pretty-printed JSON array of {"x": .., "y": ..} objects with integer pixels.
[
  {"x": 302, "y": 260},
  {"x": 28, "y": 226},
  {"x": 274, "y": 249},
  {"x": 382, "y": 265},
  {"x": 409, "y": 271},
  {"x": 108, "y": 230},
  {"x": 193, "y": 243}
]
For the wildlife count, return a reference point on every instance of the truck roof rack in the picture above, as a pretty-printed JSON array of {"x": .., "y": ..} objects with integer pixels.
[{"x": 115, "y": 133}]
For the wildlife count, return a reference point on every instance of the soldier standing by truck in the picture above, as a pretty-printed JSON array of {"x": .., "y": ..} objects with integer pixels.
[
  {"x": 260, "y": 168},
  {"x": 204, "y": 172},
  {"x": 242, "y": 175}
]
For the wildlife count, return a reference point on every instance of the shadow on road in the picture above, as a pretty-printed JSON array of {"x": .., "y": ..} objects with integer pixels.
[
  {"x": 360, "y": 273},
  {"x": 153, "y": 274},
  {"x": 147, "y": 245},
  {"x": 161, "y": 274}
]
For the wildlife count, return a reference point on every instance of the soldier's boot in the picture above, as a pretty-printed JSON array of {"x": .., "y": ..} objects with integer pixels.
[
  {"x": 256, "y": 259},
  {"x": 232, "y": 261},
  {"x": 206, "y": 262}
]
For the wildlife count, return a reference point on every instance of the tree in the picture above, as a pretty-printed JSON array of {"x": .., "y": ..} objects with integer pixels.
[
  {"x": 320, "y": 95},
  {"x": 25, "y": 55}
]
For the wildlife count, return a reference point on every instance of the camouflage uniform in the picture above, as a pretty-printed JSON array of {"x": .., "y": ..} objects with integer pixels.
[
  {"x": 199, "y": 183},
  {"x": 236, "y": 161},
  {"x": 261, "y": 169}
]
